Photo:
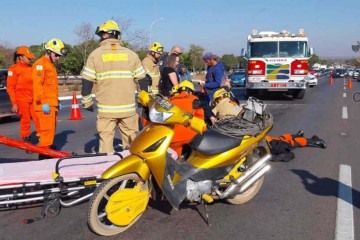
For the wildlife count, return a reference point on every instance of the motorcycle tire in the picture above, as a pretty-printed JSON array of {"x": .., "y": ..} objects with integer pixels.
[
  {"x": 246, "y": 196},
  {"x": 97, "y": 219}
]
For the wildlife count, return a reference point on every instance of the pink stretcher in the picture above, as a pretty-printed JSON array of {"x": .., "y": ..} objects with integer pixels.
[{"x": 62, "y": 182}]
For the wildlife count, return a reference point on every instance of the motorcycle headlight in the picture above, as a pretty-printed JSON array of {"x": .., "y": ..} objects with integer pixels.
[{"x": 159, "y": 117}]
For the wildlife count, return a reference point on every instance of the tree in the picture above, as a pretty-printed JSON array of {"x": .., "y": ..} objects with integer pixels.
[
  {"x": 230, "y": 61},
  {"x": 314, "y": 59},
  {"x": 85, "y": 33},
  {"x": 195, "y": 56}
]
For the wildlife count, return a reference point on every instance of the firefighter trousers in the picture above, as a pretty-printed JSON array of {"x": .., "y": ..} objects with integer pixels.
[
  {"x": 47, "y": 127},
  {"x": 26, "y": 113},
  {"x": 128, "y": 127}
]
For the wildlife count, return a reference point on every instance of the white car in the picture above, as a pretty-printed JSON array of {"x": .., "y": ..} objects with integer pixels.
[{"x": 311, "y": 80}]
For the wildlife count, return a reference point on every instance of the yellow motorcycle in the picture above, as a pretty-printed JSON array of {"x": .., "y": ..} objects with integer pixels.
[{"x": 217, "y": 167}]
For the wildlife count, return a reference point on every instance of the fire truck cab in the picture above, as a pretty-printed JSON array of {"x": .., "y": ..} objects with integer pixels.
[{"x": 276, "y": 62}]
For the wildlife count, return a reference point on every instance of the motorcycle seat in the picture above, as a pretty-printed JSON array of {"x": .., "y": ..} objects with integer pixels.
[{"x": 212, "y": 142}]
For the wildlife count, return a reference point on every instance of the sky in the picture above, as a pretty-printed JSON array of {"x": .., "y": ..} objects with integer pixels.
[{"x": 221, "y": 27}]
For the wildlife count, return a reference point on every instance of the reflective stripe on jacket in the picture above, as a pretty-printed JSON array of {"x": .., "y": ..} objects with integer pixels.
[
  {"x": 45, "y": 83},
  {"x": 19, "y": 83},
  {"x": 114, "y": 69}
]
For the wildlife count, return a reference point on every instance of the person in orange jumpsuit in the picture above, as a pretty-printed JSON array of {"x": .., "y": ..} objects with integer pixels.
[
  {"x": 20, "y": 89},
  {"x": 282, "y": 146},
  {"x": 45, "y": 83},
  {"x": 184, "y": 99}
]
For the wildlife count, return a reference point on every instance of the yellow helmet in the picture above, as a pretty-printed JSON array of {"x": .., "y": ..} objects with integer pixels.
[
  {"x": 186, "y": 84},
  {"x": 174, "y": 90},
  {"x": 221, "y": 93},
  {"x": 109, "y": 26},
  {"x": 56, "y": 45},
  {"x": 156, "y": 47}
]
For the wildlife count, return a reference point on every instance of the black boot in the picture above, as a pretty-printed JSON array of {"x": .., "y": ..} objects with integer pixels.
[
  {"x": 28, "y": 140},
  {"x": 315, "y": 141}
]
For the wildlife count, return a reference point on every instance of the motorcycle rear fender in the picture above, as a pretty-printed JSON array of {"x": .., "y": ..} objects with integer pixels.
[{"x": 129, "y": 164}]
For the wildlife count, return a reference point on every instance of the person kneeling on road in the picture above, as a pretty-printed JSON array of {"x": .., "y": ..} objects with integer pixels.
[{"x": 281, "y": 146}]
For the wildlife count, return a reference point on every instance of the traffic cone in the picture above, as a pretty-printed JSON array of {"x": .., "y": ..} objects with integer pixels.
[
  {"x": 75, "y": 110},
  {"x": 331, "y": 80},
  {"x": 349, "y": 85}
]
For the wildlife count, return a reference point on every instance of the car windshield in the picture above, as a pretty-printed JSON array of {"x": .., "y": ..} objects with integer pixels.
[{"x": 271, "y": 49}]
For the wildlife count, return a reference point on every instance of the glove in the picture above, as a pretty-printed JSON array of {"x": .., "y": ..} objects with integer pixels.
[
  {"x": 60, "y": 106},
  {"x": 90, "y": 109},
  {"x": 46, "y": 108}
]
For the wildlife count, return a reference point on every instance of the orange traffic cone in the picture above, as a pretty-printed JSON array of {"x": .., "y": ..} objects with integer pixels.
[
  {"x": 75, "y": 110},
  {"x": 349, "y": 85},
  {"x": 331, "y": 80}
]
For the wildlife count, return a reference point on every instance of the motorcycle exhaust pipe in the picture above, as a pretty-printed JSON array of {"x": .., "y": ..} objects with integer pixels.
[{"x": 252, "y": 174}]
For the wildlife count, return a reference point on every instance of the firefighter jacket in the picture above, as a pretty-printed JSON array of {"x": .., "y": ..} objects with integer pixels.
[
  {"x": 113, "y": 68},
  {"x": 152, "y": 69},
  {"x": 185, "y": 101},
  {"x": 19, "y": 84},
  {"x": 226, "y": 108},
  {"x": 45, "y": 83}
]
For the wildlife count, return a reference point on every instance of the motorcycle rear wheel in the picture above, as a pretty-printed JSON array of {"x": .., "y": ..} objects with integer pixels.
[
  {"x": 246, "y": 196},
  {"x": 97, "y": 219}
]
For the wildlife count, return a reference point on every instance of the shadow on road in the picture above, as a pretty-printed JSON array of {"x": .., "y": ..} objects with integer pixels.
[
  {"x": 93, "y": 145},
  {"x": 61, "y": 138},
  {"x": 326, "y": 186}
]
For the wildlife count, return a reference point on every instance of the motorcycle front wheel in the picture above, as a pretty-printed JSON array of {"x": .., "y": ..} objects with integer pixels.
[{"x": 97, "y": 216}]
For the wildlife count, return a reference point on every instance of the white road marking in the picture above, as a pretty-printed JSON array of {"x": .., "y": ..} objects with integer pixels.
[
  {"x": 344, "y": 215},
  {"x": 344, "y": 112},
  {"x": 344, "y": 95},
  {"x": 344, "y": 88}
]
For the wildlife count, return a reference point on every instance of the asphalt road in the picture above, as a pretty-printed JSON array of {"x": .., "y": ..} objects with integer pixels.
[{"x": 299, "y": 199}]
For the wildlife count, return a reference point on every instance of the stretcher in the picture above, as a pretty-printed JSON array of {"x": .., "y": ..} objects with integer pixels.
[{"x": 56, "y": 183}]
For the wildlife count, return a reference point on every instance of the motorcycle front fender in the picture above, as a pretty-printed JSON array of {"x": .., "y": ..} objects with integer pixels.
[{"x": 129, "y": 164}]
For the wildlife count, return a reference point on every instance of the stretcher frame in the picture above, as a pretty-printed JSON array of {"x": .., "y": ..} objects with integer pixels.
[{"x": 54, "y": 194}]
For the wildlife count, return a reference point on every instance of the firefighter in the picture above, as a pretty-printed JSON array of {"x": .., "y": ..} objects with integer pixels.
[
  {"x": 184, "y": 99},
  {"x": 45, "y": 96},
  {"x": 20, "y": 89},
  {"x": 113, "y": 68},
  {"x": 150, "y": 63},
  {"x": 224, "y": 106}
]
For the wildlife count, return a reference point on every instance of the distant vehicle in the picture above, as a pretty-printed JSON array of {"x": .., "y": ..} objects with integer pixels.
[
  {"x": 349, "y": 72},
  {"x": 356, "y": 73},
  {"x": 337, "y": 73},
  {"x": 311, "y": 80},
  {"x": 5, "y": 104},
  {"x": 237, "y": 78}
]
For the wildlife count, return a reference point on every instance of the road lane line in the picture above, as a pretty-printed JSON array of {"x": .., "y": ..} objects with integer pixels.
[
  {"x": 344, "y": 112},
  {"x": 344, "y": 88},
  {"x": 344, "y": 214},
  {"x": 344, "y": 95}
]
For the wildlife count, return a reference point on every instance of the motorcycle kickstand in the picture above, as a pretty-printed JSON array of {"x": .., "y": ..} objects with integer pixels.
[{"x": 207, "y": 214}]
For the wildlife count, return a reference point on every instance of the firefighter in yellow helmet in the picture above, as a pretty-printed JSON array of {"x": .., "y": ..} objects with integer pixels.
[
  {"x": 224, "y": 106},
  {"x": 150, "y": 63},
  {"x": 115, "y": 69},
  {"x": 45, "y": 91}
]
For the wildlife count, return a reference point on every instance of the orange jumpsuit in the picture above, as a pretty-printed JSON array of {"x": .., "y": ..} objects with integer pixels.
[
  {"x": 45, "y": 85},
  {"x": 20, "y": 89},
  {"x": 183, "y": 134},
  {"x": 293, "y": 141}
]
